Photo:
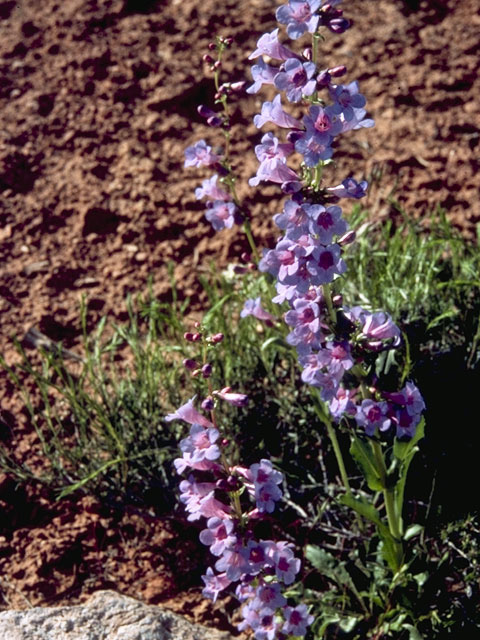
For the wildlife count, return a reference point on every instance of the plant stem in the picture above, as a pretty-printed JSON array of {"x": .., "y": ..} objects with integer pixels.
[
  {"x": 338, "y": 454},
  {"x": 328, "y": 299},
  {"x": 325, "y": 418}
]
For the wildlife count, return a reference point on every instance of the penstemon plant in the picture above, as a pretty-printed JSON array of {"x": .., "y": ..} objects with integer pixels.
[{"x": 344, "y": 352}]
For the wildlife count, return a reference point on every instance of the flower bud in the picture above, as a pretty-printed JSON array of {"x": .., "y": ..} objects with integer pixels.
[
  {"x": 238, "y": 87},
  {"x": 293, "y": 136},
  {"x": 197, "y": 324},
  {"x": 214, "y": 121},
  {"x": 337, "y": 300},
  {"x": 217, "y": 337},
  {"x": 208, "y": 404},
  {"x": 196, "y": 337},
  {"x": 239, "y": 270},
  {"x": 205, "y": 112},
  {"x": 222, "y": 484},
  {"x": 217, "y": 65},
  {"x": 228, "y": 41},
  {"x": 188, "y": 336},
  {"x": 246, "y": 257},
  {"x": 347, "y": 238},
  {"x": 208, "y": 59},
  {"x": 220, "y": 169},
  {"x": 188, "y": 363},
  {"x": 323, "y": 79},
  {"x": 337, "y": 72},
  {"x": 338, "y": 25},
  {"x": 207, "y": 370},
  {"x": 212, "y": 46},
  {"x": 307, "y": 53}
]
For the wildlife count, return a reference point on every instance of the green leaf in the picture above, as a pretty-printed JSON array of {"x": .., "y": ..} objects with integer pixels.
[
  {"x": 414, "y": 632},
  {"x": 328, "y": 565},
  {"x": 363, "y": 456},
  {"x": 404, "y": 452},
  {"x": 401, "y": 449},
  {"x": 391, "y": 548},
  {"x": 412, "y": 531}
]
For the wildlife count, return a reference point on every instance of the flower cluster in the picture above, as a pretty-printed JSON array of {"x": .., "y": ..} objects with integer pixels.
[
  {"x": 230, "y": 499},
  {"x": 335, "y": 345}
]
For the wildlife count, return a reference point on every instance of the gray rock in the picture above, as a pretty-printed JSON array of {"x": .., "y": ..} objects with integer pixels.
[{"x": 106, "y": 616}]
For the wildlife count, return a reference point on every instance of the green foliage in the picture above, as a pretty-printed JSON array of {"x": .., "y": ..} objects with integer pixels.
[{"x": 425, "y": 274}]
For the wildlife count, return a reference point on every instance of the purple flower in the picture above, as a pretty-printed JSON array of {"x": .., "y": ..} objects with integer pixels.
[
  {"x": 200, "y": 155},
  {"x": 269, "y": 45},
  {"x": 378, "y": 330},
  {"x": 346, "y": 98},
  {"x": 357, "y": 121},
  {"x": 188, "y": 413},
  {"x": 273, "y": 112},
  {"x": 293, "y": 218},
  {"x": 268, "y": 626},
  {"x": 296, "y": 620},
  {"x": 313, "y": 374},
  {"x": 275, "y": 170},
  {"x": 270, "y": 148},
  {"x": 326, "y": 222},
  {"x": 214, "y": 584},
  {"x": 298, "y": 16},
  {"x": 325, "y": 264},
  {"x": 314, "y": 146},
  {"x": 221, "y": 214},
  {"x": 269, "y": 595},
  {"x": 286, "y": 565},
  {"x": 343, "y": 404},
  {"x": 256, "y": 554},
  {"x": 253, "y": 307},
  {"x": 237, "y": 399},
  {"x": 201, "y": 443},
  {"x": 372, "y": 415},
  {"x": 233, "y": 563},
  {"x": 323, "y": 120},
  {"x": 218, "y": 535},
  {"x": 296, "y": 79},
  {"x": 349, "y": 188},
  {"x": 199, "y": 500},
  {"x": 262, "y": 73},
  {"x": 210, "y": 190}
]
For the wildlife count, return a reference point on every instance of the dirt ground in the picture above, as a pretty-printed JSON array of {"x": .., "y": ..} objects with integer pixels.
[{"x": 98, "y": 101}]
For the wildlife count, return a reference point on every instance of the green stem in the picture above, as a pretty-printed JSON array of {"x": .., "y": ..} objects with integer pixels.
[
  {"x": 325, "y": 418},
  {"x": 248, "y": 232},
  {"x": 327, "y": 294},
  {"x": 338, "y": 454}
]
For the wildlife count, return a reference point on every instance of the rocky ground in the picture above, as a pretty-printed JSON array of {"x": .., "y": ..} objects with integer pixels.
[{"x": 98, "y": 101}]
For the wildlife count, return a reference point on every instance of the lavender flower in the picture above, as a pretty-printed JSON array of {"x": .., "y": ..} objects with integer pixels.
[
  {"x": 262, "y": 73},
  {"x": 188, "y": 413},
  {"x": 372, "y": 415},
  {"x": 200, "y": 155},
  {"x": 296, "y": 620},
  {"x": 273, "y": 112},
  {"x": 299, "y": 17},
  {"x": 218, "y": 535},
  {"x": 253, "y": 307},
  {"x": 296, "y": 79},
  {"x": 209, "y": 189},
  {"x": 349, "y": 188},
  {"x": 221, "y": 214},
  {"x": 214, "y": 584},
  {"x": 269, "y": 45},
  {"x": 314, "y": 146}
]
